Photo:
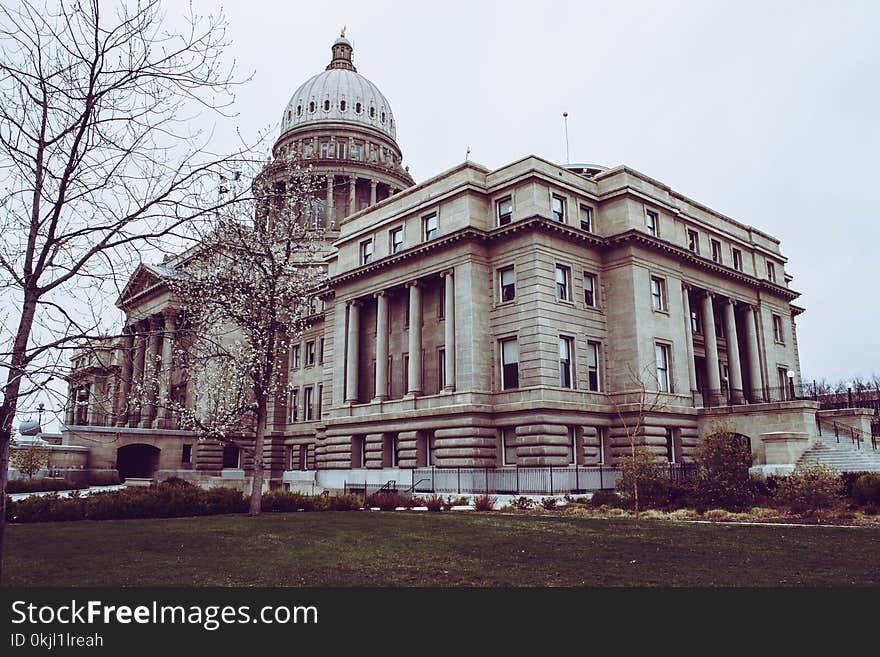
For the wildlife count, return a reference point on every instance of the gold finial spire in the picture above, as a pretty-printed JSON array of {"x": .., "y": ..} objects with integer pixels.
[{"x": 342, "y": 34}]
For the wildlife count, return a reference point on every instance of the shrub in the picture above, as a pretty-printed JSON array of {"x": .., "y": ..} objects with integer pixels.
[
  {"x": 283, "y": 501},
  {"x": 484, "y": 503},
  {"x": 46, "y": 484},
  {"x": 522, "y": 503},
  {"x": 848, "y": 480},
  {"x": 549, "y": 503},
  {"x": 866, "y": 489},
  {"x": 717, "y": 514},
  {"x": 576, "y": 500},
  {"x": 225, "y": 500},
  {"x": 348, "y": 502},
  {"x": 389, "y": 501},
  {"x": 807, "y": 490},
  {"x": 105, "y": 478},
  {"x": 435, "y": 503},
  {"x": 605, "y": 498},
  {"x": 722, "y": 479},
  {"x": 644, "y": 470},
  {"x": 456, "y": 501}
]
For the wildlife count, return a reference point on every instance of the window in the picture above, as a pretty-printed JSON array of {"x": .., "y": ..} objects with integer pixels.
[
  {"x": 782, "y": 379},
  {"x": 309, "y": 150},
  {"x": 719, "y": 322},
  {"x": 508, "y": 447},
  {"x": 294, "y": 357},
  {"x": 658, "y": 293},
  {"x": 600, "y": 431},
  {"x": 312, "y": 106},
  {"x": 586, "y": 217},
  {"x": 652, "y": 221},
  {"x": 341, "y": 105},
  {"x": 716, "y": 252},
  {"x": 441, "y": 369},
  {"x": 563, "y": 275},
  {"x": 441, "y": 301},
  {"x": 670, "y": 445},
  {"x": 186, "y": 454},
  {"x": 771, "y": 272},
  {"x": 590, "y": 289},
  {"x": 395, "y": 239},
  {"x": 505, "y": 211},
  {"x": 661, "y": 352},
  {"x": 366, "y": 252},
  {"x": 357, "y": 151},
  {"x": 294, "y": 405},
  {"x": 507, "y": 284},
  {"x": 358, "y": 108},
  {"x": 340, "y": 150},
  {"x": 231, "y": 456},
  {"x": 696, "y": 324},
  {"x": 693, "y": 240},
  {"x": 308, "y": 407},
  {"x": 572, "y": 446},
  {"x": 358, "y": 452},
  {"x": 326, "y": 105},
  {"x": 321, "y": 351},
  {"x": 325, "y": 149},
  {"x": 557, "y": 208},
  {"x": 432, "y": 449},
  {"x": 509, "y": 364},
  {"x": 405, "y": 373},
  {"x": 778, "y": 335},
  {"x": 593, "y": 366},
  {"x": 310, "y": 353},
  {"x": 737, "y": 259},
  {"x": 320, "y": 402},
  {"x": 431, "y": 226},
  {"x": 566, "y": 378}
]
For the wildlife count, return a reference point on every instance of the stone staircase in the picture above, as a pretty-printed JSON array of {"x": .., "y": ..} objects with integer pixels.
[{"x": 843, "y": 456}]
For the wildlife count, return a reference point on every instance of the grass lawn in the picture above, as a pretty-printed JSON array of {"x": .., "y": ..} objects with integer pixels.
[{"x": 428, "y": 549}]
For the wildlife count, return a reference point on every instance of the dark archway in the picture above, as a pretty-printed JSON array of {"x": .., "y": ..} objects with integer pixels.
[{"x": 137, "y": 461}]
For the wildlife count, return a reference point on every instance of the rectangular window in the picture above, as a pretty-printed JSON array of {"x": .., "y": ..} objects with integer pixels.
[
  {"x": 231, "y": 456},
  {"x": 771, "y": 272},
  {"x": 590, "y": 289},
  {"x": 309, "y": 149},
  {"x": 186, "y": 454},
  {"x": 509, "y": 364},
  {"x": 340, "y": 150},
  {"x": 294, "y": 357},
  {"x": 572, "y": 446},
  {"x": 366, "y": 252},
  {"x": 586, "y": 217},
  {"x": 593, "y": 366},
  {"x": 693, "y": 241},
  {"x": 405, "y": 373},
  {"x": 308, "y": 407},
  {"x": 696, "y": 324},
  {"x": 357, "y": 152},
  {"x": 507, "y": 284},
  {"x": 719, "y": 322},
  {"x": 658, "y": 293},
  {"x": 505, "y": 211},
  {"x": 310, "y": 353},
  {"x": 670, "y": 445},
  {"x": 321, "y": 351},
  {"x": 395, "y": 240},
  {"x": 661, "y": 352},
  {"x": 508, "y": 446},
  {"x": 563, "y": 276},
  {"x": 320, "y": 402},
  {"x": 601, "y": 434},
  {"x": 737, "y": 259},
  {"x": 325, "y": 149},
  {"x": 778, "y": 335},
  {"x": 782, "y": 379},
  {"x": 441, "y": 301},
  {"x": 716, "y": 252},
  {"x": 566, "y": 378},
  {"x": 431, "y": 226},
  {"x": 652, "y": 222},
  {"x": 294, "y": 405},
  {"x": 441, "y": 369},
  {"x": 557, "y": 208}
]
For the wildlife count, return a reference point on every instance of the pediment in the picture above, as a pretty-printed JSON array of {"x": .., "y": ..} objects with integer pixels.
[{"x": 143, "y": 278}]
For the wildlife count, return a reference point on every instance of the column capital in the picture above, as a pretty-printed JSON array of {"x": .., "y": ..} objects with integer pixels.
[
  {"x": 380, "y": 293},
  {"x": 413, "y": 284},
  {"x": 709, "y": 294},
  {"x": 447, "y": 272},
  {"x": 687, "y": 287},
  {"x": 353, "y": 302}
]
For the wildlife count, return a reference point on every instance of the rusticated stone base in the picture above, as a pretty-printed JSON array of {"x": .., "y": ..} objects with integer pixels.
[
  {"x": 542, "y": 445},
  {"x": 466, "y": 447}
]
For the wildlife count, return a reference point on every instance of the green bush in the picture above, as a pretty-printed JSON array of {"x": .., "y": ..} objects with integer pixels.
[
  {"x": 389, "y": 501},
  {"x": 606, "y": 498},
  {"x": 104, "y": 478},
  {"x": 866, "y": 489},
  {"x": 807, "y": 490},
  {"x": 484, "y": 503},
  {"x": 651, "y": 476},
  {"x": 722, "y": 478},
  {"x": 46, "y": 484},
  {"x": 283, "y": 501},
  {"x": 348, "y": 502},
  {"x": 848, "y": 480}
]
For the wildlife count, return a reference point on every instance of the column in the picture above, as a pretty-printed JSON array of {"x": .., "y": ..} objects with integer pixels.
[
  {"x": 449, "y": 328},
  {"x": 154, "y": 340},
  {"x": 126, "y": 371},
  {"x": 163, "y": 414},
  {"x": 373, "y": 184},
  {"x": 381, "y": 346},
  {"x": 70, "y": 409},
  {"x": 137, "y": 378},
  {"x": 415, "y": 339},
  {"x": 733, "y": 362},
  {"x": 331, "y": 219},
  {"x": 352, "y": 353},
  {"x": 713, "y": 370},
  {"x": 756, "y": 386},
  {"x": 351, "y": 196},
  {"x": 689, "y": 337}
]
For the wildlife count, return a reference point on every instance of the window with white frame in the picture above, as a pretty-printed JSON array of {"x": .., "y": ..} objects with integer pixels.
[
  {"x": 319, "y": 402},
  {"x": 593, "y": 381},
  {"x": 506, "y": 284},
  {"x": 600, "y": 431},
  {"x": 310, "y": 353},
  {"x": 441, "y": 369},
  {"x": 693, "y": 241},
  {"x": 778, "y": 334},
  {"x": 508, "y": 447},
  {"x": 771, "y": 272},
  {"x": 504, "y": 208},
  {"x": 509, "y": 364},
  {"x": 737, "y": 259},
  {"x": 652, "y": 222},
  {"x": 366, "y": 252},
  {"x": 294, "y": 405},
  {"x": 294, "y": 357},
  {"x": 590, "y": 289},
  {"x": 566, "y": 362},
  {"x": 586, "y": 217},
  {"x": 670, "y": 445},
  {"x": 563, "y": 278},
  {"x": 357, "y": 152},
  {"x": 572, "y": 447},
  {"x": 308, "y": 404},
  {"x": 716, "y": 252},
  {"x": 395, "y": 240},
  {"x": 325, "y": 149},
  {"x": 431, "y": 226},
  {"x": 661, "y": 354},
  {"x": 658, "y": 293},
  {"x": 557, "y": 208}
]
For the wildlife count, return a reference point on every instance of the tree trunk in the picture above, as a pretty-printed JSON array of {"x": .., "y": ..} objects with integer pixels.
[{"x": 257, "y": 487}]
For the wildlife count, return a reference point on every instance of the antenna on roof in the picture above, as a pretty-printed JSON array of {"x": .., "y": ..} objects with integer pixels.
[{"x": 565, "y": 125}]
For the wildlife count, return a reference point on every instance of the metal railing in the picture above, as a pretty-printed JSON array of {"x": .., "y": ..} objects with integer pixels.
[{"x": 850, "y": 433}]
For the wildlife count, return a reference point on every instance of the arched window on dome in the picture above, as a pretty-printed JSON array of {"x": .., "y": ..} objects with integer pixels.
[
  {"x": 288, "y": 116},
  {"x": 383, "y": 118},
  {"x": 372, "y": 112},
  {"x": 327, "y": 105},
  {"x": 358, "y": 108},
  {"x": 342, "y": 106},
  {"x": 299, "y": 110},
  {"x": 312, "y": 107},
  {"x": 391, "y": 123}
]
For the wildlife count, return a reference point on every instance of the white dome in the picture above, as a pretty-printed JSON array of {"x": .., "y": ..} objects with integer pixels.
[{"x": 339, "y": 94}]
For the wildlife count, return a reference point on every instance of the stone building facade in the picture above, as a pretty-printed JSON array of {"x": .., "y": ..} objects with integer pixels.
[{"x": 480, "y": 319}]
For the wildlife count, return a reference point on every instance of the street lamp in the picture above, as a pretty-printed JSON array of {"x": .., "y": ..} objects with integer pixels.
[{"x": 790, "y": 375}]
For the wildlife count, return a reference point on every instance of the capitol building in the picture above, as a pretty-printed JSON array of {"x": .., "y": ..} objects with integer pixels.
[{"x": 490, "y": 323}]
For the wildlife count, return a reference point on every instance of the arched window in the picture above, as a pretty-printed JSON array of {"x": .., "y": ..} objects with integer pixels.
[
  {"x": 326, "y": 105},
  {"x": 312, "y": 106},
  {"x": 358, "y": 108},
  {"x": 341, "y": 105},
  {"x": 383, "y": 117},
  {"x": 299, "y": 110},
  {"x": 372, "y": 112},
  {"x": 288, "y": 115}
]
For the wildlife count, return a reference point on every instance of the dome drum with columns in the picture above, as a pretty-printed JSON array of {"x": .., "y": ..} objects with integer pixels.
[{"x": 342, "y": 125}]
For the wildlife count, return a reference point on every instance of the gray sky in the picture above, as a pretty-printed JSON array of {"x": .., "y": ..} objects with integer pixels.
[{"x": 767, "y": 112}]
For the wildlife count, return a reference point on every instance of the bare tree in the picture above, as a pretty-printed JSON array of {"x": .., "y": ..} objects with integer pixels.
[
  {"x": 246, "y": 291},
  {"x": 97, "y": 162}
]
